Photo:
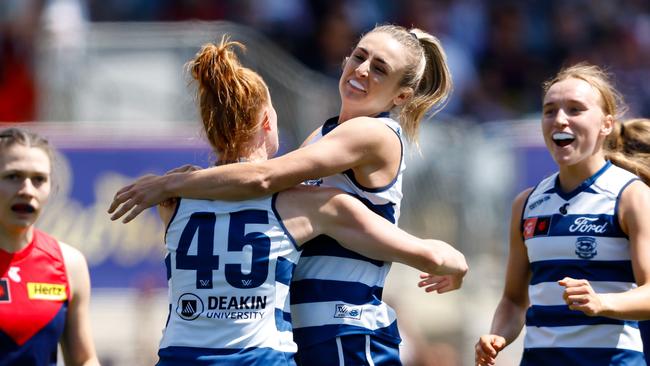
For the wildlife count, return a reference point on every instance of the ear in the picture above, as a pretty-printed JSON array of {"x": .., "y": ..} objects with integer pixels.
[
  {"x": 607, "y": 125},
  {"x": 404, "y": 95},
  {"x": 266, "y": 123}
]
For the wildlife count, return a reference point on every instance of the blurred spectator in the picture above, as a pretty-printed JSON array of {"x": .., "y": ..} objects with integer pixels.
[
  {"x": 18, "y": 27},
  {"x": 499, "y": 50}
]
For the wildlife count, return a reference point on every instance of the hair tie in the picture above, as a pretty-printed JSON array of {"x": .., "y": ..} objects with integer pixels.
[{"x": 415, "y": 36}]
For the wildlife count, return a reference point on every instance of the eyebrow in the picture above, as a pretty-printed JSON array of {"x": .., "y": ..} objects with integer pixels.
[{"x": 379, "y": 59}]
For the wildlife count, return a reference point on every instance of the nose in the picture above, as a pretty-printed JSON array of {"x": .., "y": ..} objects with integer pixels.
[
  {"x": 561, "y": 118},
  {"x": 362, "y": 69},
  {"x": 27, "y": 188}
]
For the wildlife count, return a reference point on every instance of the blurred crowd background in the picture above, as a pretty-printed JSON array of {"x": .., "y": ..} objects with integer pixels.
[
  {"x": 499, "y": 50},
  {"x": 104, "y": 80}
]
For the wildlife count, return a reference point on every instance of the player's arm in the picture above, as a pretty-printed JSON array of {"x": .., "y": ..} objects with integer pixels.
[
  {"x": 76, "y": 342},
  {"x": 634, "y": 304},
  {"x": 354, "y": 226},
  {"x": 509, "y": 316},
  {"x": 357, "y": 142}
]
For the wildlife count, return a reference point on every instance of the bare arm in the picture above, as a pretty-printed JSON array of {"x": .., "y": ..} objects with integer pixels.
[
  {"x": 354, "y": 226},
  {"x": 76, "y": 342},
  {"x": 633, "y": 304},
  {"x": 354, "y": 143},
  {"x": 509, "y": 317}
]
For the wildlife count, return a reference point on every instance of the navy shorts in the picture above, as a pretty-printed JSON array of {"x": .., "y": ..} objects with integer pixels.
[{"x": 350, "y": 350}]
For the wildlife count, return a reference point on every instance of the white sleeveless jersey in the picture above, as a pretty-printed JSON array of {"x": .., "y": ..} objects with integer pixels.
[
  {"x": 338, "y": 292},
  {"x": 577, "y": 235},
  {"x": 229, "y": 266}
]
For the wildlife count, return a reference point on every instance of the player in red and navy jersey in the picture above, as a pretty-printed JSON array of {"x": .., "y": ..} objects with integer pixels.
[{"x": 44, "y": 284}]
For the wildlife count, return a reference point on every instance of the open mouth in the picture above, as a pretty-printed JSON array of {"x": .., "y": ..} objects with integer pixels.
[
  {"x": 23, "y": 208},
  {"x": 562, "y": 138},
  {"x": 357, "y": 85}
]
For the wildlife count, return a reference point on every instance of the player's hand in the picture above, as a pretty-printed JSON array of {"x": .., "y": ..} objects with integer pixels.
[
  {"x": 579, "y": 295},
  {"x": 134, "y": 198},
  {"x": 440, "y": 283},
  {"x": 487, "y": 348},
  {"x": 184, "y": 169}
]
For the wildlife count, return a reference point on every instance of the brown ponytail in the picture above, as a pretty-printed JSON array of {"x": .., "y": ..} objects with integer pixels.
[{"x": 230, "y": 98}]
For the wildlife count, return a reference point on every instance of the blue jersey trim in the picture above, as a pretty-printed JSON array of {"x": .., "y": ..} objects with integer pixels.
[
  {"x": 523, "y": 211},
  {"x": 282, "y": 320},
  {"x": 555, "y": 270},
  {"x": 284, "y": 228},
  {"x": 562, "y": 316},
  {"x": 183, "y": 356},
  {"x": 168, "y": 266},
  {"x": 355, "y": 293},
  {"x": 178, "y": 204},
  {"x": 387, "y": 210},
  {"x": 169, "y": 314},
  {"x": 583, "y": 187},
  {"x": 616, "y": 206},
  {"x": 581, "y": 357},
  {"x": 284, "y": 269}
]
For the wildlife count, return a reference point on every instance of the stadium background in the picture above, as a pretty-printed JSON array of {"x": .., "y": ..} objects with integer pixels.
[{"x": 104, "y": 80}]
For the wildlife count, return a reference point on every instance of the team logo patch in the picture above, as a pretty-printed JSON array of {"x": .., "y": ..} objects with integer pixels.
[
  {"x": 537, "y": 226},
  {"x": 13, "y": 274},
  {"x": 4, "y": 290},
  {"x": 46, "y": 291},
  {"x": 314, "y": 182},
  {"x": 189, "y": 306},
  {"x": 586, "y": 247},
  {"x": 347, "y": 311},
  {"x": 538, "y": 202}
]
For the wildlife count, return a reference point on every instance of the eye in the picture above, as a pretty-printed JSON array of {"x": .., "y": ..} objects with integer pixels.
[
  {"x": 548, "y": 112},
  {"x": 12, "y": 176},
  {"x": 359, "y": 58},
  {"x": 39, "y": 179},
  {"x": 380, "y": 69},
  {"x": 575, "y": 110}
]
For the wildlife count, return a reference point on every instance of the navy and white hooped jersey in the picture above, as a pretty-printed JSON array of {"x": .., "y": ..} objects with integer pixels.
[
  {"x": 229, "y": 266},
  {"x": 338, "y": 292},
  {"x": 578, "y": 235}
]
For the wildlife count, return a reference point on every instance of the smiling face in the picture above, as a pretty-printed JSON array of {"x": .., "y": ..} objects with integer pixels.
[
  {"x": 370, "y": 80},
  {"x": 24, "y": 186},
  {"x": 574, "y": 123}
]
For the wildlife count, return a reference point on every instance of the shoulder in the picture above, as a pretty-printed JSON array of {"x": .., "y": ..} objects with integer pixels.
[
  {"x": 519, "y": 201},
  {"x": 75, "y": 263},
  {"x": 635, "y": 193},
  {"x": 634, "y": 203},
  {"x": 72, "y": 256}
]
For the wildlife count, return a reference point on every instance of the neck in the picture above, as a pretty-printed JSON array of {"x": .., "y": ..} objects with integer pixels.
[
  {"x": 258, "y": 154},
  {"x": 14, "y": 240},
  {"x": 571, "y": 176}
]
